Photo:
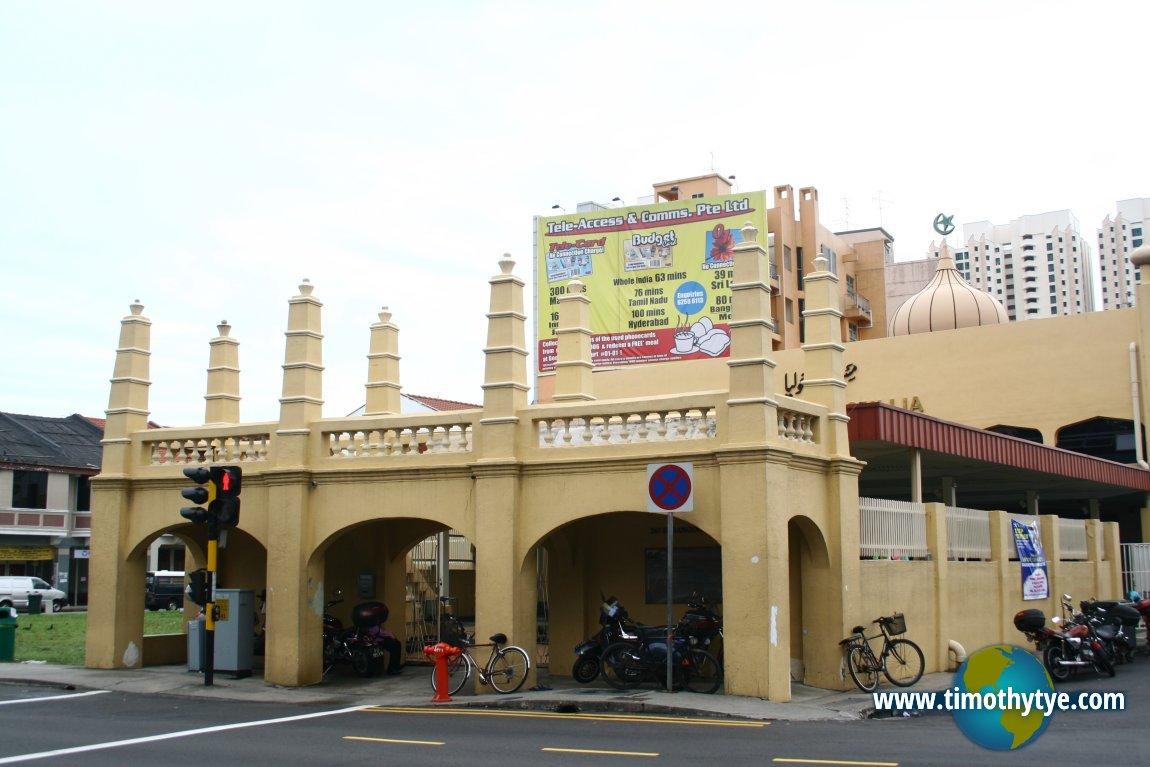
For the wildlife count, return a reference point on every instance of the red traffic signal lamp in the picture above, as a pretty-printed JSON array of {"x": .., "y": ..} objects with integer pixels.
[
  {"x": 203, "y": 493},
  {"x": 225, "y": 507}
]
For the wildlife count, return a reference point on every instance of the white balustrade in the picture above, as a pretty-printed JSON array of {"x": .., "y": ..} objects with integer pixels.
[
  {"x": 626, "y": 428},
  {"x": 405, "y": 440},
  {"x": 206, "y": 450},
  {"x": 798, "y": 427}
]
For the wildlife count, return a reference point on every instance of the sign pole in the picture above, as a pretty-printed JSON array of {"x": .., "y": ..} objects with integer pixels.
[
  {"x": 670, "y": 592},
  {"x": 670, "y": 488}
]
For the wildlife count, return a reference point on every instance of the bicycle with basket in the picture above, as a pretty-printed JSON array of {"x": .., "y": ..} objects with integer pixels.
[{"x": 900, "y": 661}]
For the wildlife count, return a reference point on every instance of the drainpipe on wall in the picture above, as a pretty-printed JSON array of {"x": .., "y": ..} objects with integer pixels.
[
  {"x": 958, "y": 652},
  {"x": 1135, "y": 396}
]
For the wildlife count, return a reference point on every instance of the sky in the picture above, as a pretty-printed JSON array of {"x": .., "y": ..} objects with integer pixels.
[{"x": 205, "y": 158}]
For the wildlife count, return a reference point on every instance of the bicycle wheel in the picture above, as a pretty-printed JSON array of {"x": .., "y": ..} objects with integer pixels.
[
  {"x": 623, "y": 665},
  {"x": 904, "y": 663},
  {"x": 704, "y": 674},
  {"x": 508, "y": 669},
  {"x": 458, "y": 672},
  {"x": 862, "y": 669}
]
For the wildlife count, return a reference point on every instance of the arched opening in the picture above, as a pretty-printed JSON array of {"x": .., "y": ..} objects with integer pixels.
[
  {"x": 1108, "y": 438},
  {"x": 621, "y": 554},
  {"x": 1022, "y": 432},
  {"x": 811, "y": 589},
  {"x": 163, "y": 607},
  {"x": 405, "y": 563}
]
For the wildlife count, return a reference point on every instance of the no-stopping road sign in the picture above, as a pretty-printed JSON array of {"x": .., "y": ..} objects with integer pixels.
[{"x": 670, "y": 487}]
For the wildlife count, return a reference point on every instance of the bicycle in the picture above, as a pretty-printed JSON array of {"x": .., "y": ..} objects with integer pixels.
[
  {"x": 901, "y": 661},
  {"x": 506, "y": 668}
]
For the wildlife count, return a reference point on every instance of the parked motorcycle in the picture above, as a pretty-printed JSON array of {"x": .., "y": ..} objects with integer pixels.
[
  {"x": 1143, "y": 607},
  {"x": 614, "y": 624},
  {"x": 1074, "y": 645},
  {"x": 702, "y": 626},
  {"x": 1116, "y": 623},
  {"x": 364, "y": 644}
]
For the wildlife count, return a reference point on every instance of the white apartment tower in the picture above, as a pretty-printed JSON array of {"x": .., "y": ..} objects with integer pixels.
[
  {"x": 1037, "y": 265},
  {"x": 1116, "y": 238}
]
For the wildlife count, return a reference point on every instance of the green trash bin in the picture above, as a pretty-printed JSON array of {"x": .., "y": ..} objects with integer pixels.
[
  {"x": 7, "y": 635},
  {"x": 35, "y": 604}
]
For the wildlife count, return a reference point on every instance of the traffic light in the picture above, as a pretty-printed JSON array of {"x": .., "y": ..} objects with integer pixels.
[
  {"x": 199, "y": 495},
  {"x": 227, "y": 482},
  {"x": 197, "y": 588}
]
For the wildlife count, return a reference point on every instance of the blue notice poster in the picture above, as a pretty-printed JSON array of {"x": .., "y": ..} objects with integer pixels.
[{"x": 1035, "y": 583}]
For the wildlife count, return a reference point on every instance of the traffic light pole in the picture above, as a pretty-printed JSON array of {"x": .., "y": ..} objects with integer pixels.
[{"x": 210, "y": 607}]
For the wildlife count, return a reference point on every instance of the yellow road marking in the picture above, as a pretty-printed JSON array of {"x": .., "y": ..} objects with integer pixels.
[
  {"x": 392, "y": 740},
  {"x": 835, "y": 761},
  {"x": 592, "y": 751},
  {"x": 553, "y": 715}
]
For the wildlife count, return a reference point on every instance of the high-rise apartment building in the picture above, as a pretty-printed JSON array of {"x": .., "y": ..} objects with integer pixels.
[
  {"x": 1036, "y": 266},
  {"x": 1116, "y": 238}
]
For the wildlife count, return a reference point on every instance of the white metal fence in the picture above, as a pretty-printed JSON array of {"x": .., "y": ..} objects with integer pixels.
[
  {"x": 967, "y": 534},
  {"x": 1136, "y": 568},
  {"x": 892, "y": 529},
  {"x": 1072, "y": 539}
]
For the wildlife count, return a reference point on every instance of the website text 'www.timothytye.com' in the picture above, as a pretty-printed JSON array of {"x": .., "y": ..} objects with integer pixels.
[{"x": 956, "y": 699}]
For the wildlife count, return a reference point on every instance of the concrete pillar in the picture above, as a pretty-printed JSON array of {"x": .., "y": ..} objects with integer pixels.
[
  {"x": 505, "y": 577},
  {"x": 222, "y": 402},
  {"x": 505, "y": 369},
  {"x": 573, "y": 378},
  {"x": 295, "y": 574},
  {"x": 950, "y": 492},
  {"x": 505, "y": 582},
  {"x": 114, "y": 587},
  {"x": 128, "y": 398},
  {"x": 1001, "y": 547},
  {"x": 916, "y": 475},
  {"x": 752, "y": 414},
  {"x": 1112, "y": 553},
  {"x": 936, "y": 543},
  {"x": 823, "y": 355},
  {"x": 756, "y": 574},
  {"x": 1052, "y": 547},
  {"x": 1032, "y": 502},
  {"x": 383, "y": 387}
]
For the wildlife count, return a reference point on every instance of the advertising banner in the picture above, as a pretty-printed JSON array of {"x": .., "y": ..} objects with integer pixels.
[
  {"x": 658, "y": 276},
  {"x": 1035, "y": 582}
]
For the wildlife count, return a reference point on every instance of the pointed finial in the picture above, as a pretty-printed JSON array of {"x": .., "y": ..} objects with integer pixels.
[
  {"x": 574, "y": 287},
  {"x": 820, "y": 263},
  {"x": 137, "y": 308},
  {"x": 224, "y": 328},
  {"x": 306, "y": 287},
  {"x": 750, "y": 233},
  {"x": 506, "y": 264},
  {"x": 384, "y": 315}
]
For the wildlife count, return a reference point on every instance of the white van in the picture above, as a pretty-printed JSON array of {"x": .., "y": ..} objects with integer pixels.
[{"x": 14, "y": 591}]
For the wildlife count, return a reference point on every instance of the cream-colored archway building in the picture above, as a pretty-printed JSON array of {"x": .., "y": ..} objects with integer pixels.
[{"x": 326, "y": 501}]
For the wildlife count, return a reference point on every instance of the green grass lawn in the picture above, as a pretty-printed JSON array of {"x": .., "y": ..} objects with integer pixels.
[{"x": 59, "y": 637}]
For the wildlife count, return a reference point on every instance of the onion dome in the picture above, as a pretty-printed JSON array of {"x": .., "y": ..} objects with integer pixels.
[{"x": 947, "y": 302}]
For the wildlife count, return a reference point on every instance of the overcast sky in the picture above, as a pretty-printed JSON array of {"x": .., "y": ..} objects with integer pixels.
[{"x": 205, "y": 157}]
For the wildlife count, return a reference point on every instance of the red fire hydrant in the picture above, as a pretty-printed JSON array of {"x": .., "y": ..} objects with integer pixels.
[{"x": 440, "y": 653}]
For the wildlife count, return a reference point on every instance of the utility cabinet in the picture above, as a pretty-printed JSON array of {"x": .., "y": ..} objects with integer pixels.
[{"x": 235, "y": 632}]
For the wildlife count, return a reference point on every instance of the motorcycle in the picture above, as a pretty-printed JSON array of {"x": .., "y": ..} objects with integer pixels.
[
  {"x": 1075, "y": 644},
  {"x": 615, "y": 623},
  {"x": 364, "y": 644},
  {"x": 1116, "y": 623},
  {"x": 702, "y": 626},
  {"x": 1143, "y": 608},
  {"x": 642, "y": 657}
]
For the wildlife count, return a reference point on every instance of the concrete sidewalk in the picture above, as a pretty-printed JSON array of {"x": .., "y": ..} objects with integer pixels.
[{"x": 413, "y": 688}]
